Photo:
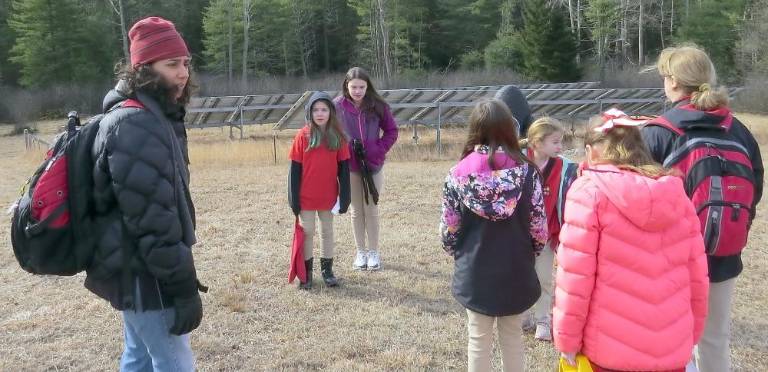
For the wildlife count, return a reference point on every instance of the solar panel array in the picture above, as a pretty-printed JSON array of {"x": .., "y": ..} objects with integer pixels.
[
  {"x": 236, "y": 111},
  {"x": 427, "y": 106}
]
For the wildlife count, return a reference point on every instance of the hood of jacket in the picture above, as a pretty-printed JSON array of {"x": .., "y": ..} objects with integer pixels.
[
  {"x": 646, "y": 202},
  {"x": 489, "y": 193},
  {"x": 317, "y": 96},
  {"x": 685, "y": 115},
  {"x": 115, "y": 95}
]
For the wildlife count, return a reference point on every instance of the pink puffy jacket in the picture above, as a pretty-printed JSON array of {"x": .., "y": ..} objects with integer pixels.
[{"x": 631, "y": 287}]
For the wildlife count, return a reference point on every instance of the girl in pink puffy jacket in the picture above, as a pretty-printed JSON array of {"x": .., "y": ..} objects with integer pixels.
[{"x": 631, "y": 284}]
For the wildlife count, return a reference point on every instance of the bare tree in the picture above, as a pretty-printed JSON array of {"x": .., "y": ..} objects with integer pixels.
[
  {"x": 302, "y": 19},
  {"x": 117, "y": 6},
  {"x": 383, "y": 33},
  {"x": 247, "y": 7},
  {"x": 230, "y": 44},
  {"x": 640, "y": 21}
]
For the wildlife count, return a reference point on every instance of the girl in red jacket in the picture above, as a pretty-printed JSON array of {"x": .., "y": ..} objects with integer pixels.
[
  {"x": 631, "y": 286},
  {"x": 319, "y": 174},
  {"x": 544, "y": 145}
]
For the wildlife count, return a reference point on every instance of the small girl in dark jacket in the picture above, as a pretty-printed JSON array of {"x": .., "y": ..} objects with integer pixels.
[
  {"x": 319, "y": 174},
  {"x": 493, "y": 224}
]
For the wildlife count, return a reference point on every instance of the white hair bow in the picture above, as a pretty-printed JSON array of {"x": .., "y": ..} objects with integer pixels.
[{"x": 617, "y": 118}]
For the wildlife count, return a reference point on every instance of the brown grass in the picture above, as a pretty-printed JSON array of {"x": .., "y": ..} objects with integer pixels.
[{"x": 402, "y": 318}]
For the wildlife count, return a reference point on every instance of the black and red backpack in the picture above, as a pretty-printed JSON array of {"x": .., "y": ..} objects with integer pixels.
[
  {"x": 52, "y": 229},
  {"x": 718, "y": 175}
]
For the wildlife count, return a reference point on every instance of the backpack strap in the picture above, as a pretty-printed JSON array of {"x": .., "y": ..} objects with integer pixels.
[
  {"x": 661, "y": 121},
  {"x": 567, "y": 176}
]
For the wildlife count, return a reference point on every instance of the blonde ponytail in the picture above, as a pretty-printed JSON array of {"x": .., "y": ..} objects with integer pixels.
[
  {"x": 706, "y": 98},
  {"x": 693, "y": 70}
]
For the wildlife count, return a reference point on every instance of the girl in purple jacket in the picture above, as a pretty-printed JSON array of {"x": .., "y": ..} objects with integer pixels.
[{"x": 371, "y": 130}]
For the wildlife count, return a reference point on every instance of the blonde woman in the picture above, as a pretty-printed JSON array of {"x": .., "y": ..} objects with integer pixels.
[{"x": 701, "y": 124}]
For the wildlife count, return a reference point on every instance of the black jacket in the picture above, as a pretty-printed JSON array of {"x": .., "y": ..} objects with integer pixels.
[
  {"x": 143, "y": 206},
  {"x": 660, "y": 142}
]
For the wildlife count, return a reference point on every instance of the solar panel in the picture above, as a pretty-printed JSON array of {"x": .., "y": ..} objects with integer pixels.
[{"x": 429, "y": 107}]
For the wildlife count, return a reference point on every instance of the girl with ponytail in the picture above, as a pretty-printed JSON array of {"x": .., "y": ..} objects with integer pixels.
[{"x": 701, "y": 117}]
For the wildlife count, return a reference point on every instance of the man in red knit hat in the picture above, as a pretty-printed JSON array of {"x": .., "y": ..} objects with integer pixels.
[{"x": 143, "y": 263}]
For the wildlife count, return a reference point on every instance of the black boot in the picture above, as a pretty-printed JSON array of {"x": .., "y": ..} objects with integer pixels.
[
  {"x": 326, "y": 268},
  {"x": 308, "y": 284}
]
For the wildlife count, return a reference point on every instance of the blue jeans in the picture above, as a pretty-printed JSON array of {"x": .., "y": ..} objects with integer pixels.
[{"x": 149, "y": 346}]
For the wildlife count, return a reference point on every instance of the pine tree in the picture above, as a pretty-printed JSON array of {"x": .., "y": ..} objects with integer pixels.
[
  {"x": 547, "y": 45},
  {"x": 8, "y": 72},
  {"x": 59, "y": 42},
  {"x": 714, "y": 26}
]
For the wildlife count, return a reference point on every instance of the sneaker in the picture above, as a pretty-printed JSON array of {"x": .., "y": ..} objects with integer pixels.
[
  {"x": 529, "y": 324},
  {"x": 361, "y": 261},
  {"x": 374, "y": 261},
  {"x": 543, "y": 332}
]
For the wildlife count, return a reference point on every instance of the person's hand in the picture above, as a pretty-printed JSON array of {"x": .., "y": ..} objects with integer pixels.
[
  {"x": 569, "y": 357},
  {"x": 189, "y": 313}
]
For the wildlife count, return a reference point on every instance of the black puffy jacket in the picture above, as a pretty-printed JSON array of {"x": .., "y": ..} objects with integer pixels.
[{"x": 143, "y": 206}]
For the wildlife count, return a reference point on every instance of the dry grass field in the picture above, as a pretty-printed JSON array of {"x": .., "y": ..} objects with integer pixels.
[{"x": 401, "y": 318}]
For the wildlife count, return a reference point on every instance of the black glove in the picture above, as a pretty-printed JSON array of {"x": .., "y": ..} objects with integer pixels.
[{"x": 189, "y": 313}]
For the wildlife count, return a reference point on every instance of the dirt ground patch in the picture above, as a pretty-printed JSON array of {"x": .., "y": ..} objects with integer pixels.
[{"x": 402, "y": 318}]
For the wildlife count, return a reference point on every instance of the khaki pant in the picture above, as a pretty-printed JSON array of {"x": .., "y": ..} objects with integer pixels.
[
  {"x": 544, "y": 264},
  {"x": 365, "y": 217},
  {"x": 480, "y": 330},
  {"x": 713, "y": 353},
  {"x": 307, "y": 221}
]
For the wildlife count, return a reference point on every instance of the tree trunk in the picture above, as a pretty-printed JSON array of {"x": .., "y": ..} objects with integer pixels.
[
  {"x": 624, "y": 30},
  {"x": 672, "y": 19},
  {"x": 326, "y": 49},
  {"x": 640, "y": 51},
  {"x": 384, "y": 34},
  {"x": 120, "y": 11},
  {"x": 570, "y": 15},
  {"x": 126, "y": 50},
  {"x": 246, "y": 29},
  {"x": 661, "y": 24},
  {"x": 230, "y": 46},
  {"x": 285, "y": 56},
  {"x": 578, "y": 31}
]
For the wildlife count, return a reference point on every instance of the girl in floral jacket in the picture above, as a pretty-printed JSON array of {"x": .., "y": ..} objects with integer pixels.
[{"x": 493, "y": 224}]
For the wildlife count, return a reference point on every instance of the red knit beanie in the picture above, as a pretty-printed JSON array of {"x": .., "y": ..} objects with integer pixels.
[{"x": 153, "y": 39}]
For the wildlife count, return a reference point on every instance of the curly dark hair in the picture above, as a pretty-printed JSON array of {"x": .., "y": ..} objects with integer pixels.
[{"x": 142, "y": 77}]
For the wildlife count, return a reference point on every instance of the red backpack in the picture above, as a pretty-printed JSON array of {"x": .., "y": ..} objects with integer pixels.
[
  {"x": 718, "y": 177},
  {"x": 52, "y": 225}
]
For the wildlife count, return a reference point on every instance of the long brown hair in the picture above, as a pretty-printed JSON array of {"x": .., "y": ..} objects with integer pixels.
[
  {"x": 372, "y": 100},
  {"x": 492, "y": 124},
  {"x": 624, "y": 147},
  {"x": 142, "y": 77}
]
